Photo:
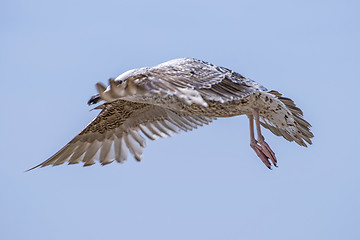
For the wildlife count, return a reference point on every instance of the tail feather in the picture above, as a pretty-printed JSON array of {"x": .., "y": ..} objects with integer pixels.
[{"x": 303, "y": 127}]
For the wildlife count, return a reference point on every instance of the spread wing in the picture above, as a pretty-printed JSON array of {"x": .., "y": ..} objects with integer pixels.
[
  {"x": 190, "y": 80},
  {"x": 117, "y": 131}
]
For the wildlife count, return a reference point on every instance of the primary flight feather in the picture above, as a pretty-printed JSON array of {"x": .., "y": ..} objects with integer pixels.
[{"x": 179, "y": 95}]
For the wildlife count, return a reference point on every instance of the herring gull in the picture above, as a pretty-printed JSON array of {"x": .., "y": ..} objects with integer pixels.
[{"x": 179, "y": 95}]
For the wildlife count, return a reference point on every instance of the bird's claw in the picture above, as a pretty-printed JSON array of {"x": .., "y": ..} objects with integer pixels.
[{"x": 264, "y": 152}]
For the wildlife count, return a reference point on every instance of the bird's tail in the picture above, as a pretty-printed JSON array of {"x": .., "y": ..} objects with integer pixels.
[{"x": 300, "y": 128}]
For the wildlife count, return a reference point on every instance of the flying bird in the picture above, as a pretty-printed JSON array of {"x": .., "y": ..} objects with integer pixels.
[{"x": 179, "y": 95}]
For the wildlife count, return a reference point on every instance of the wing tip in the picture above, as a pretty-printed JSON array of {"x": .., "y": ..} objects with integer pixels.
[{"x": 30, "y": 169}]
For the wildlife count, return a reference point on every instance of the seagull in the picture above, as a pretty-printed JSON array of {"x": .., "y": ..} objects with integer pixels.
[{"x": 179, "y": 95}]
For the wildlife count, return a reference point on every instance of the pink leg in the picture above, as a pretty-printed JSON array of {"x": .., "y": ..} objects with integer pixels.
[{"x": 261, "y": 148}]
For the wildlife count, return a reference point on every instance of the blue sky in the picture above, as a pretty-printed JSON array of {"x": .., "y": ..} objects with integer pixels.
[{"x": 206, "y": 184}]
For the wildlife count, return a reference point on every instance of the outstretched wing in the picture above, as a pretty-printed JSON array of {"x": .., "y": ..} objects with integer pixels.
[
  {"x": 190, "y": 80},
  {"x": 117, "y": 131}
]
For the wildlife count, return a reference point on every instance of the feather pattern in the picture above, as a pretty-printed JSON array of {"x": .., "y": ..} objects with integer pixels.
[
  {"x": 116, "y": 130},
  {"x": 178, "y": 95},
  {"x": 188, "y": 80}
]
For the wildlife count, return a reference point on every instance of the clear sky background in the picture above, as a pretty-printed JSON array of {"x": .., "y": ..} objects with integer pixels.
[{"x": 206, "y": 184}]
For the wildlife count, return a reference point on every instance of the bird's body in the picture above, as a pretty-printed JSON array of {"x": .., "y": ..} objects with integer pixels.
[{"x": 181, "y": 94}]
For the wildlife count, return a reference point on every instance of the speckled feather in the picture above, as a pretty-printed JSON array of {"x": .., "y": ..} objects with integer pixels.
[{"x": 178, "y": 95}]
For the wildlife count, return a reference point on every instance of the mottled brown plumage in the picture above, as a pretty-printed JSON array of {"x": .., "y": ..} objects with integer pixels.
[{"x": 175, "y": 96}]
